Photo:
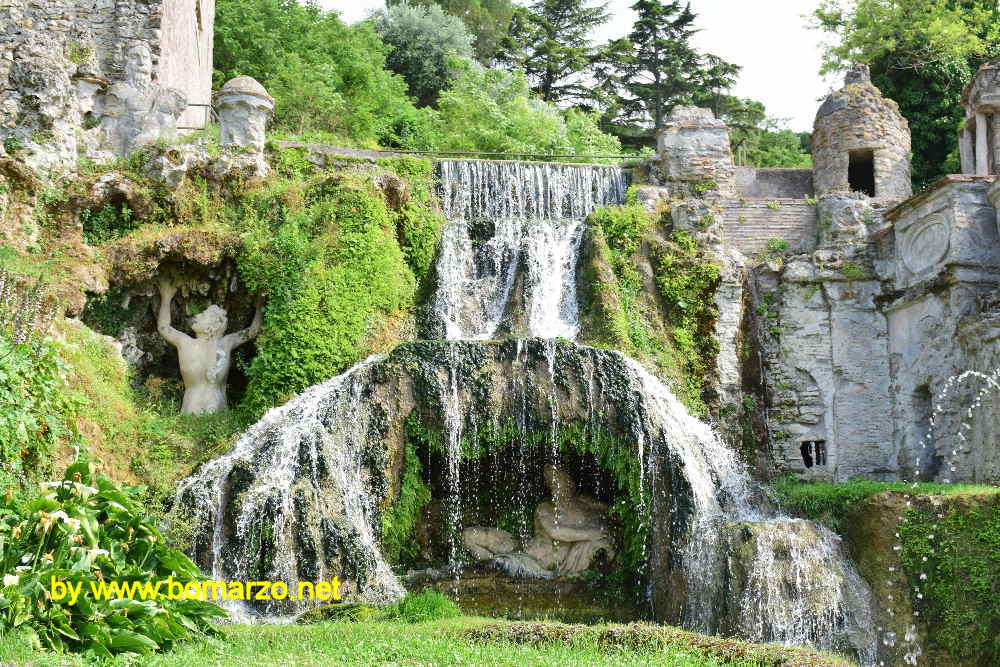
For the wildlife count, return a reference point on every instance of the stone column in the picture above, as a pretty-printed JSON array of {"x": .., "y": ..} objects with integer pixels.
[
  {"x": 982, "y": 145},
  {"x": 244, "y": 107},
  {"x": 967, "y": 148}
]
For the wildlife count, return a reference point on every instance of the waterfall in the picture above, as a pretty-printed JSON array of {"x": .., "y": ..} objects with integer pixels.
[
  {"x": 301, "y": 494},
  {"x": 511, "y": 219}
]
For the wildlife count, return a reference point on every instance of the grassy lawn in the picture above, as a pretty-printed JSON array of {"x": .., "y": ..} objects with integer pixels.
[{"x": 460, "y": 641}]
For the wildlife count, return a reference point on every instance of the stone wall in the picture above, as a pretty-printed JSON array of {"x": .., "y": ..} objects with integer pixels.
[
  {"x": 947, "y": 267},
  {"x": 751, "y": 182},
  {"x": 867, "y": 330},
  {"x": 97, "y": 77}
]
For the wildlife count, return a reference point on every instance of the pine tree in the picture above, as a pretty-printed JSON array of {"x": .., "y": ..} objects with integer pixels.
[
  {"x": 551, "y": 41},
  {"x": 662, "y": 69}
]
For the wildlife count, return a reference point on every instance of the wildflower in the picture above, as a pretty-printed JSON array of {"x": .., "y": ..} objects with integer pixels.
[
  {"x": 99, "y": 552},
  {"x": 11, "y": 579},
  {"x": 74, "y": 524},
  {"x": 59, "y": 514}
]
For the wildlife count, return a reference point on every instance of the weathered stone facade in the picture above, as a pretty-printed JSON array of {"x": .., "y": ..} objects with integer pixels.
[
  {"x": 861, "y": 142},
  {"x": 98, "y": 77},
  {"x": 867, "y": 301}
]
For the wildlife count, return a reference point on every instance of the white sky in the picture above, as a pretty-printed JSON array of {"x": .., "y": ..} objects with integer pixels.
[{"x": 780, "y": 55}]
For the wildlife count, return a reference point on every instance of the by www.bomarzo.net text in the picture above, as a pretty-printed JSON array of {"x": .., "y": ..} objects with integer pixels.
[{"x": 171, "y": 589}]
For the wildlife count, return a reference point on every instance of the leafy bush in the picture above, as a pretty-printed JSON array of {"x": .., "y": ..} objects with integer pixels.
[
  {"x": 493, "y": 111},
  {"x": 327, "y": 254},
  {"x": 87, "y": 530},
  {"x": 106, "y": 223},
  {"x": 38, "y": 414},
  {"x": 419, "y": 607}
]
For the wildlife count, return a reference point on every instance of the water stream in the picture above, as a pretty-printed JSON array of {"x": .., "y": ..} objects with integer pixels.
[{"x": 299, "y": 496}]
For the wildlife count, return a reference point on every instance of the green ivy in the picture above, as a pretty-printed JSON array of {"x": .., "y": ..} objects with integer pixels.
[
  {"x": 334, "y": 262},
  {"x": 106, "y": 223},
  {"x": 38, "y": 414}
]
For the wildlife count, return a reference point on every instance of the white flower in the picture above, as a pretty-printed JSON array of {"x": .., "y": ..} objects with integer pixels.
[
  {"x": 99, "y": 552},
  {"x": 50, "y": 485},
  {"x": 21, "y": 568},
  {"x": 84, "y": 489},
  {"x": 59, "y": 514},
  {"x": 26, "y": 558},
  {"x": 11, "y": 579},
  {"x": 73, "y": 523}
]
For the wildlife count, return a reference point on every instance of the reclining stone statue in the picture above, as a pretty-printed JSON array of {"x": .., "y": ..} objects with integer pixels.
[
  {"x": 205, "y": 359},
  {"x": 570, "y": 529}
]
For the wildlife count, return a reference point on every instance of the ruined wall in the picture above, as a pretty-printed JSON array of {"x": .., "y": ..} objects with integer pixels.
[
  {"x": 97, "y": 77},
  {"x": 827, "y": 351}
]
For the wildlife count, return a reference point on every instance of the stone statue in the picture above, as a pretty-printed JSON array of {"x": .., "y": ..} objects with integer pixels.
[
  {"x": 569, "y": 531},
  {"x": 205, "y": 359}
]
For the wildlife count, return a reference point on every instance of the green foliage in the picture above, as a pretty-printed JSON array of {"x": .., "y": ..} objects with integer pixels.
[
  {"x": 12, "y": 144},
  {"x": 954, "y": 561},
  {"x": 400, "y": 519},
  {"x": 87, "y": 530},
  {"x": 493, "y": 111},
  {"x": 487, "y": 20},
  {"x": 106, "y": 223},
  {"x": 428, "y": 605},
  {"x": 550, "y": 41},
  {"x": 326, "y": 253},
  {"x": 624, "y": 226},
  {"x": 854, "y": 271},
  {"x": 38, "y": 414},
  {"x": 657, "y": 68},
  {"x": 423, "y": 38},
  {"x": 307, "y": 58},
  {"x": 830, "y": 504},
  {"x": 758, "y": 140},
  {"x": 687, "y": 281},
  {"x": 777, "y": 246}
]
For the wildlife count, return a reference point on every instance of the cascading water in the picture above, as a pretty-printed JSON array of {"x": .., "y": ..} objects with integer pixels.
[
  {"x": 509, "y": 217},
  {"x": 299, "y": 497}
]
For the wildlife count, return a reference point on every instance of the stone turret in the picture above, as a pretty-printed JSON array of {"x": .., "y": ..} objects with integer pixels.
[
  {"x": 694, "y": 150},
  {"x": 979, "y": 139},
  {"x": 244, "y": 107},
  {"x": 861, "y": 142}
]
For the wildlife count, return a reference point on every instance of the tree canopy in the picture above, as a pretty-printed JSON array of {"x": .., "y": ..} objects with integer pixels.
[{"x": 422, "y": 39}]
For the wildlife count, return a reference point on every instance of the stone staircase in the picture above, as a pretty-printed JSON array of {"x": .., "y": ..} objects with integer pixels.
[{"x": 750, "y": 223}]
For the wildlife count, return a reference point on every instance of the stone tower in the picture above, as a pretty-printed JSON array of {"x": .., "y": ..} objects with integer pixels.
[
  {"x": 980, "y": 136},
  {"x": 861, "y": 142}
]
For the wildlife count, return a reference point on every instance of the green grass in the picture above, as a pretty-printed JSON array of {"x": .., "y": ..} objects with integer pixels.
[
  {"x": 828, "y": 503},
  {"x": 460, "y": 641}
]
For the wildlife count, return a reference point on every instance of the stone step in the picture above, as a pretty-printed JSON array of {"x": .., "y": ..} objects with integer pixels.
[{"x": 750, "y": 223}]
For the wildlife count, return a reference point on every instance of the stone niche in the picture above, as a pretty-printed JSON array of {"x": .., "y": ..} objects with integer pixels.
[
  {"x": 951, "y": 225},
  {"x": 861, "y": 142}
]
